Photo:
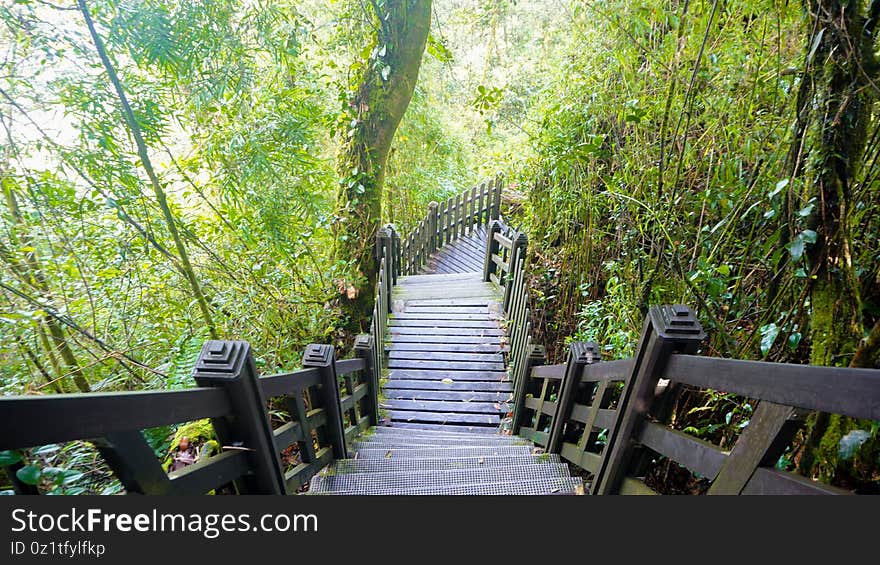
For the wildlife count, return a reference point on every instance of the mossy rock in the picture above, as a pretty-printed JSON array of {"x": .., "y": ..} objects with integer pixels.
[{"x": 199, "y": 433}]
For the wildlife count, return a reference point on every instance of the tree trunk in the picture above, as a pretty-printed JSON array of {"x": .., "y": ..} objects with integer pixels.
[
  {"x": 836, "y": 118},
  {"x": 384, "y": 90}
]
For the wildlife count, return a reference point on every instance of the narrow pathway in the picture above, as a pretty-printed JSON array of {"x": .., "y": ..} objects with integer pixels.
[{"x": 446, "y": 391}]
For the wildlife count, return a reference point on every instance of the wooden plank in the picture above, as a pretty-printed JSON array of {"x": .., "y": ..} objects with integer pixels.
[
  {"x": 445, "y": 417},
  {"x": 583, "y": 459},
  {"x": 772, "y": 481},
  {"x": 836, "y": 390},
  {"x": 607, "y": 371},
  {"x": 437, "y": 279},
  {"x": 432, "y": 355},
  {"x": 433, "y": 302},
  {"x": 555, "y": 372},
  {"x": 483, "y": 430},
  {"x": 450, "y": 395},
  {"x": 440, "y": 374},
  {"x": 441, "y": 348},
  {"x": 397, "y": 322},
  {"x": 414, "y": 310},
  {"x": 476, "y": 386},
  {"x": 400, "y": 339},
  {"x": 447, "y": 406},
  {"x": 603, "y": 419},
  {"x": 751, "y": 447},
  {"x": 503, "y": 240},
  {"x": 697, "y": 455},
  {"x": 484, "y": 332},
  {"x": 209, "y": 473}
]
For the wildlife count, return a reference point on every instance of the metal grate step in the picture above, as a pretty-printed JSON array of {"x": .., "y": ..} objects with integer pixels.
[
  {"x": 563, "y": 485},
  {"x": 435, "y": 452},
  {"x": 391, "y": 481},
  {"x": 349, "y": 466}
]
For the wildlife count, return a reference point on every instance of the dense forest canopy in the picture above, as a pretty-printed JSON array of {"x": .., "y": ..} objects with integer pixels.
[{"x": 174, "y": 170}]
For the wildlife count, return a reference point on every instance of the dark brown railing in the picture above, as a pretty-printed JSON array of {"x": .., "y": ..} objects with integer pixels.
[
  {"x": 446, "y": 222},
  {"x": 612, "y": 418},
  {"x": 323, "y": 421},
  {"x": 329, "y": 401}
]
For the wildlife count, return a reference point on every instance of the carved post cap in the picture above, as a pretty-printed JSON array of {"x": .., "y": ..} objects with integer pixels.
[
  {"x": 221, "y": 360},
  {"x": 585, "y": 352},
  {"x": 677, "y": 322},
  {"x": 433, "y": 205},
  {"x": 318, "y": 355},
  {"x": 363, "y": 341}
]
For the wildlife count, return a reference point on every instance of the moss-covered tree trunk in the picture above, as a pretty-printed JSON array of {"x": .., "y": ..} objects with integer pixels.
[
  {"x": 384, "y": 90},
  {"x": 836, "y": 85}
]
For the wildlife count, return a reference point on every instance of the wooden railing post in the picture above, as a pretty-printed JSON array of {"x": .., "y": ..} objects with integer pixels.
[
  {"x": 667, "y": 330},
  {"x": 230, "y": 365},
  {"x": 364, "y": 348},
  {"x": 517, "y": 251},
  {"x": 323, "y": 357},
  {"x": 433, "y": 212},
  {"x": 384, "y": 244},
  {"x": 537, "y": 355},
  {"x": 495, "y": 206},
  {"x": 491, "y": 248},
  {"x": 580, "y": 354}
]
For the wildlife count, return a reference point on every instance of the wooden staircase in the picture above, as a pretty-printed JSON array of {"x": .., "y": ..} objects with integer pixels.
[{"x": 446, "y": 392}]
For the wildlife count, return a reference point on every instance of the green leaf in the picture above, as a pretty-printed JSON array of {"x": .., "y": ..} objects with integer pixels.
[
  {"x": 794, "y": 339},
  {"x": 768, "y": 336},
  {"x": 29, "y": 474},
  {"x": 851, "y": 442},
  {"x": 779, "y": 187},
  {"x": 9, "y": 458}
]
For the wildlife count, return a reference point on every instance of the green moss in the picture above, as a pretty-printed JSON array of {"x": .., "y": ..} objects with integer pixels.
[{"x": 200, "y": 433}]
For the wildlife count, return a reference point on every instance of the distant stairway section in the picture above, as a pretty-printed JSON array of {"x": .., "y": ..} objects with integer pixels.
[
  {"x": 464, "y": 255},
  {"x": 446, "y": 370},
  {"x": 406, "y": 461}
]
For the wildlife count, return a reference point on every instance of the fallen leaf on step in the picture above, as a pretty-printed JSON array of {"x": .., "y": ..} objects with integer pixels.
[
  {"x": 482, "y": 460},
  {"x": 388, "y": 454},
  {"x": 447, "y": 381},
  {"x": 579, "y": 490}
]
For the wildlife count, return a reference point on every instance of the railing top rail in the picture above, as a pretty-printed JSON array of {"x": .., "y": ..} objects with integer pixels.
[
  {"x": 28, "y": 421},
  {"x": 837, "y": 390}
]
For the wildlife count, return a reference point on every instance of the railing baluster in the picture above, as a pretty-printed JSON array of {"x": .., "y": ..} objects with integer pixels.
[
  {"x": 580, "y": 354},
  {"x": 537, "y": 355},
  {"x": 489, "y": 266},
  {"x": 667, "y": 330},
  {"x": 323, "y": 357},
  {"x": 230, "y": 365},
  {"x": 364, "y": 349}
]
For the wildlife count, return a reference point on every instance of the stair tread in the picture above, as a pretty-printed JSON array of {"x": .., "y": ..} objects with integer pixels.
[{"x": 418, "y": 479}]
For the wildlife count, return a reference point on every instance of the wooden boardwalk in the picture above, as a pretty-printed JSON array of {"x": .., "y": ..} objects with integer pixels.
[
  {"x": 464, "y": 255},
  {"x": 446, "y": 366}
]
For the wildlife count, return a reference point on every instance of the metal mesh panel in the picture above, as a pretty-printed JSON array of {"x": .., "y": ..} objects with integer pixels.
[
  {"x": 363, "y": 482},
  {"x": 414, "y": 465},
  {"x": 565, "y": 485},
  {"x": 439, "y": 452}
]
